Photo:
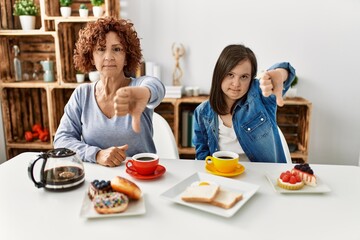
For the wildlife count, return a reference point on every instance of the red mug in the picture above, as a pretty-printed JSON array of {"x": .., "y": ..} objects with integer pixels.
[{"x": 143, "y": 163}]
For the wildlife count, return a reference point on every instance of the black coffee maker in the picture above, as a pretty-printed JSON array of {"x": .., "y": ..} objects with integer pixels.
[{"x": 62, "y": 169}]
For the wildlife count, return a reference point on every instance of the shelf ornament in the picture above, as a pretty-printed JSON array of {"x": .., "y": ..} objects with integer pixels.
[
  {"x": 27, "y": 11},
  {"x": 97, "y": 7},
  {"x": 65, "y": 8},
  {"x": 83, "y": 11},
  {"x": 178, "y": 50}
]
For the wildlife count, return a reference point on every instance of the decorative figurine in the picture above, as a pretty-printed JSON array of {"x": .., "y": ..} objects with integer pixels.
[
  {"x": 17, "y": 63},
  {"x": 178, "y": 51}
]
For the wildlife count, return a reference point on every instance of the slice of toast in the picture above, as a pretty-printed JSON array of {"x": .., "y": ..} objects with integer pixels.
[
  {"x": 226, "y": 199},
  {"x": 205, "y": 193}
]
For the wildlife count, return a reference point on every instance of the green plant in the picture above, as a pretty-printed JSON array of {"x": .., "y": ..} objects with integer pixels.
[
  {"x": 293, "y": 84},
  {"x": 97, "y": 2},
  {"x": 65, "y": 3},
  {"x": 83, "y": 6},
  {"x": 26, "y": 7}
]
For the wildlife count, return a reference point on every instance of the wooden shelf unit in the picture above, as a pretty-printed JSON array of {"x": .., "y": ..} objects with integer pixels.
[
  {"x": 171, "y": 109},
  {"x": 293, "y": 119},
  {"x": 31, "y": 101},
  {"x": 25, "y": 103}
]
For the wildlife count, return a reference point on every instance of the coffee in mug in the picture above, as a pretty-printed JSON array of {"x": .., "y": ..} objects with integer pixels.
[
  {"x": 223, "y": 161},
  {"x": 143, "y": 163}
]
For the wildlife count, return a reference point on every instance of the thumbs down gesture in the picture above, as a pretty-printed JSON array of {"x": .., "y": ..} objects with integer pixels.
[
  {"x": 271, "y": 82},
  {"x": 132, "y": 100}
]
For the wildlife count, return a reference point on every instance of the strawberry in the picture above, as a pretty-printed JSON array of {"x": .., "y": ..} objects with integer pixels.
[
  {"x": 292, "y": 180},
  {"x": 286, "y": 178}
]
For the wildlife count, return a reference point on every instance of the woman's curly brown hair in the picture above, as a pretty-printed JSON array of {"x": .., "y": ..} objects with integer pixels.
[{"x": 94, "y": 33}]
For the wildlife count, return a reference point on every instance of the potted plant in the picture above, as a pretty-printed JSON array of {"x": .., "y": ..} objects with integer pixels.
[
  {"x": 27, "y": 11},
  {"x": 80, "y": 77},
  {"x": 97, "y": 7},
  {"x": 291, "y": 93},
  {"x": 83, "y": 11},
  {"x": 65, "y": 8}
]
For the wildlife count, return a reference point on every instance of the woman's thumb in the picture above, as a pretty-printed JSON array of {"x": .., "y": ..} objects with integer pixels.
[
  {"x": 124, "y": 147},
  {"x": 136, "y": 122}
]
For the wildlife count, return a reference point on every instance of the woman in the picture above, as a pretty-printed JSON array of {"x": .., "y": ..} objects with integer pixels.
[
  {"x": 102, "y": 120},
  {"x": 240, "y": 115}
]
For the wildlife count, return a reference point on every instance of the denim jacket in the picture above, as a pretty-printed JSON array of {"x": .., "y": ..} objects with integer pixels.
[{"x": 254, "y": 122}]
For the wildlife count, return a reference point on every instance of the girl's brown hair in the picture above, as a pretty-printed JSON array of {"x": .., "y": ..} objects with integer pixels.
[{"x": 228, "y": 59}]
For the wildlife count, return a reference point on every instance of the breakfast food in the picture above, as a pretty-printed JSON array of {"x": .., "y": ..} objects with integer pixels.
[
  {"x": 306, "y": 173},
  {"x": 99, "y": 187},
  {"x": 113, "y": 202},
  {"x": 210, "y": 192},
  {"x": 123, "y": 185},
  {"x": 200, "y": 192},
  {"x": 290, "y": 181},
  {"x": 226, "y": 199}
]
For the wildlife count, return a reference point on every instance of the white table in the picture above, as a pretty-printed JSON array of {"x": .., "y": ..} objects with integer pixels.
[{"x": 30, "y": 213}]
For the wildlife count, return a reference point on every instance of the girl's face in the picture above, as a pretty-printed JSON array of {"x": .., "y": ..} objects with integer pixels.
[
  {"x": 236, "y": 83},
  {"x": 110, "y": 59}
]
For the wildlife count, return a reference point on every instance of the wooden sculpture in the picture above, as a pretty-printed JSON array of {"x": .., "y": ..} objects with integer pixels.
[{"x": 178, "y": 51}]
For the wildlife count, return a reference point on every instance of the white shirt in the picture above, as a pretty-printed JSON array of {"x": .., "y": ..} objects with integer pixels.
[{"x": 229, "y": 142}]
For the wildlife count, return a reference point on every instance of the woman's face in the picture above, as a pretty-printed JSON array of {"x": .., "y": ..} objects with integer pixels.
[
  {"x": 236, "y": 83},
  {"x": 110, "y": 59}
]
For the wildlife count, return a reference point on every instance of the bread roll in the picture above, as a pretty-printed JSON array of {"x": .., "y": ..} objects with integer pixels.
[{"x": 123, "y": 185}]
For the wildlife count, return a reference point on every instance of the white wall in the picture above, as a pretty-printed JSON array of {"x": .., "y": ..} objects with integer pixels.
[{"x": 320, "y": 38}]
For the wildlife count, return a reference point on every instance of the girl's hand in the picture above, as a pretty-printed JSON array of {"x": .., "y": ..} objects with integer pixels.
[
  {"x": 271, "y": 82},
  {"x": 112, "y": 156}
]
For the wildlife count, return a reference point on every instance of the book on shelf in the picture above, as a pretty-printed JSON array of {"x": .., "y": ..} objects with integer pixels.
[
  {"x": 187, "y": 127},
  {"x": 184, "y": 128},
  {"x": 173, "y": 91},
  {"x": 190, "y": 129}
]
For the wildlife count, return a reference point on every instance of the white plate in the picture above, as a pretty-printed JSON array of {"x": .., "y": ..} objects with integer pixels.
[
  {"x": 320, "y": 186},
  {"x": 134, "y": 208},
  {"x": 247, "y": 189}
]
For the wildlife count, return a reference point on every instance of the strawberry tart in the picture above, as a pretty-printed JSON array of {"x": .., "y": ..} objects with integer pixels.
[
  {"x": 290, "y": 181},
  {"x": 306, "y": 173}
]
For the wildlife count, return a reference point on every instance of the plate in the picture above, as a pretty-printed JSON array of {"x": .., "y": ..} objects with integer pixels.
[
  {"x": 320, "y": 188},
  {"x": 247, "y": 189},
  {"x": 159, "y": 171},
  {"x": 135, "y": 207},
  {"x": 210, "y": 168}
]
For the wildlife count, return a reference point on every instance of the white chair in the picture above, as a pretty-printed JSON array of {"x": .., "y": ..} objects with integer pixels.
[
  {"x": 164, "y": 139},
  {"x": 285, "y": 147}
]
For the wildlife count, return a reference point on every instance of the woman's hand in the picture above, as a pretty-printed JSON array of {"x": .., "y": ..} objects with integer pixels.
[
  {"x": 271, "y": 82},
  {"x": 132, "y": 100},
  {"x": 112, "y": 156}
]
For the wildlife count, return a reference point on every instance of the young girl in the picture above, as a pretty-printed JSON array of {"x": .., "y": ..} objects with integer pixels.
[{"x": 240, "y": 115}]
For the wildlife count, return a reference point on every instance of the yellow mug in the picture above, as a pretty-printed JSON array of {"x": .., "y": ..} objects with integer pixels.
[{"x": 223, "y": 161}]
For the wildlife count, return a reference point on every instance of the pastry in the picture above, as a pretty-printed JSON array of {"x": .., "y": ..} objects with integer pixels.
[
  {"x": 99, "y": 187},
  {"x": 306, "y": 173},
  {"x": 113, "y": 202},
  {"x": 123, "y": 185},
  {"x": 290, "y": 181}
]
